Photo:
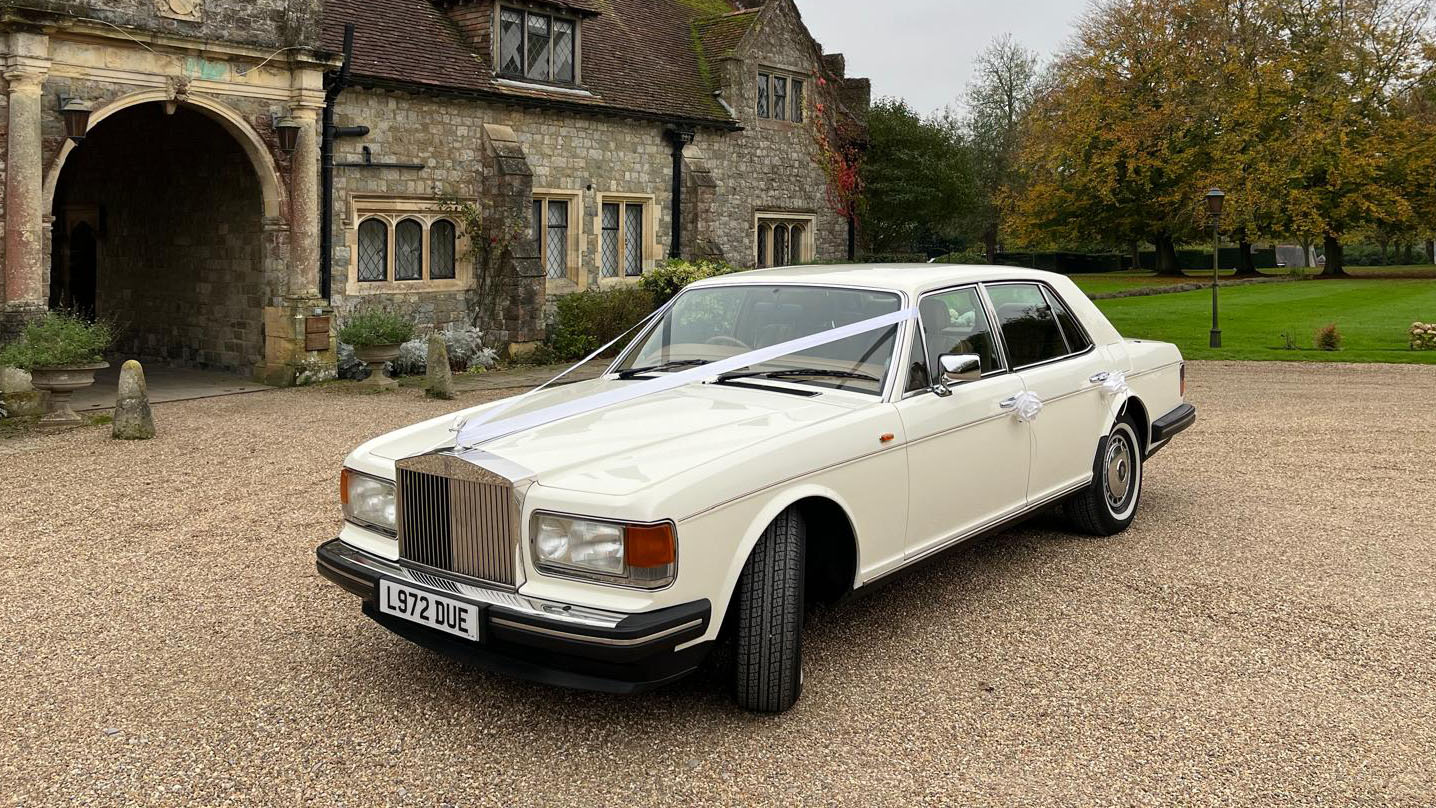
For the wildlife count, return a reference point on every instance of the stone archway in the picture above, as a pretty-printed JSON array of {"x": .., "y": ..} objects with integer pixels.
[{"x": 180, "y": 211}]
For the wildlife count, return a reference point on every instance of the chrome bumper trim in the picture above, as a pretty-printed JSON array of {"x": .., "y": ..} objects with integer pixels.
[
  {"x": 568, "y": 635},
  {"x": 546, "y": 609}
]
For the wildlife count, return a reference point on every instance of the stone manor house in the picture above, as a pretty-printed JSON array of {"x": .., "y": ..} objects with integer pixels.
[{"x": 209, "y": 175}]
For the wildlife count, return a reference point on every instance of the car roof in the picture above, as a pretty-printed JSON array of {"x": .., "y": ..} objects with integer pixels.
[{"x": 911, "y": 278}]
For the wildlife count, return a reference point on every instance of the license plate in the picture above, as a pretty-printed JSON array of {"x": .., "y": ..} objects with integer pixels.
[{"x": 429, "y": 609}]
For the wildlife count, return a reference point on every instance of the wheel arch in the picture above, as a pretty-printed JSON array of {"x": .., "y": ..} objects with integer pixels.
[{"x": 1134, "y": 407}]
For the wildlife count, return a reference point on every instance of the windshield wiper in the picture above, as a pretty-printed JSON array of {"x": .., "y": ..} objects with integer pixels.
[
  {"x": 795, "y": 373},
  {"x": 677, "y": 363}
]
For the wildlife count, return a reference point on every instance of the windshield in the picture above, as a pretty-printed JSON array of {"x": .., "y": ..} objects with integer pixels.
[{"x": 717, "y": 322}]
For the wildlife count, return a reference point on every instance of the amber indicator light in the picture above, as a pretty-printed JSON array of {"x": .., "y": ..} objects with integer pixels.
[
  {"x": 344, "y": 487},
  {"x": 648, "y": 545},
  {"x": 886, "y": 437}
]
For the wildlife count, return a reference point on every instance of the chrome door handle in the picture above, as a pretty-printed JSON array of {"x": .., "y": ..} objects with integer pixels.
[
  {"x": 1098, "y": 378},
  {"x": 1008, "y": 403}
]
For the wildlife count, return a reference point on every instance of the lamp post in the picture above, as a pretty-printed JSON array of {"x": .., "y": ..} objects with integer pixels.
[{"x": 1214, "y": 200}]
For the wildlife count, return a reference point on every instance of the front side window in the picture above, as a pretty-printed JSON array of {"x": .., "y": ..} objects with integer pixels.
[
  {"x": 955, "y": 322},
  {"x": 537, "y": 46},
  {"x": 1029, "y": 328},
  {"x": 712, "y": 323}
]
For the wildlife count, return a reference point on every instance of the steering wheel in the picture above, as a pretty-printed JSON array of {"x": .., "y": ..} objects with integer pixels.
[{"x": 724, "y": 339}]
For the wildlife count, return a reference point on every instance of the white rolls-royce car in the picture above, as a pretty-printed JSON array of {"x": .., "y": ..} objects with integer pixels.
[{"x": 767, "y": 440}]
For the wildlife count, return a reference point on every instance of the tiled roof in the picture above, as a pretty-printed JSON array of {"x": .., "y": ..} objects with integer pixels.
[
  {"x": 717, "y": 38},
  {"x": 638, "y": 55}
]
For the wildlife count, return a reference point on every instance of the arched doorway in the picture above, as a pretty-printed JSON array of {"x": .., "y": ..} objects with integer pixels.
[{"x": 159, "y": 226}]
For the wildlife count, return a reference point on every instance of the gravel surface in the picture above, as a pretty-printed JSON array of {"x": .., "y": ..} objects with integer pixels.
[{"x": 1265, "y": 634}]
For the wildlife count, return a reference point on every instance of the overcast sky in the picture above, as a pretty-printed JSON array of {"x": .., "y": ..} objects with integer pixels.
[{"x": 922, "y": 50}]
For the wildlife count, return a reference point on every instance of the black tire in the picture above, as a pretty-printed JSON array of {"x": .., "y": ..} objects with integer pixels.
[
  {"x": 1109, "y": 504},
  {"x": 768, "y": 636}
]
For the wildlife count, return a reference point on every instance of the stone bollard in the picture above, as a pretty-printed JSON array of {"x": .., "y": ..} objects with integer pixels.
[
  {"x": 133, "y": 419},
  {"x": 438, "y": 380}
]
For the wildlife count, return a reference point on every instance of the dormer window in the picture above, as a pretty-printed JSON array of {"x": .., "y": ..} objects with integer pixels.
[{"x": 535, "y": 46}]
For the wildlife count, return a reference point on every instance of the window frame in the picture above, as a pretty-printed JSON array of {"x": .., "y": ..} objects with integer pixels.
[
  {"x": 986, "y": 304},
  {"x": 522, "y": 75},
  {"x": 807, "y": 248},
  {"x": 390, "y": 212},
  {"x": 573, "y": 260},
  {"x": 1044, "y": 288},
  {"x": 795, "y": 111},
  {"x": 647, "y": 246}
]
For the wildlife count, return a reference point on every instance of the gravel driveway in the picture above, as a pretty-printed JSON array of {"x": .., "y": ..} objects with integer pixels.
[{"x": 1265, "y": 634}]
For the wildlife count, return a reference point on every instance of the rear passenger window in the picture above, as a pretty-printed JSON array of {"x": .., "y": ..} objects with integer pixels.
[
  {"x": 1076, "y": 340},
  {"x": 1028, "y": 325}
]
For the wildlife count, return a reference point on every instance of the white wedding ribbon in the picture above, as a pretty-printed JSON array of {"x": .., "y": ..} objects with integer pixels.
[
  {"x": 484, "y": 428},
  {"x": 1116, "y": 384},
  {"x": 1027, "y": 405}
]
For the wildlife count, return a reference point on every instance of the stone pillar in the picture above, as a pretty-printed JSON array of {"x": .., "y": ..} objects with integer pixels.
[
  {"x": 510, "y": 305},
  {"x": 304, "y": 206},
  {"x": 25, "y": 71}
]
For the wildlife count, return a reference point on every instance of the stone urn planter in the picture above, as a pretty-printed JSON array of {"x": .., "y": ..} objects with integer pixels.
[
  {"x": 375, "y": 356},
  {"x": 61, "y": 383}
]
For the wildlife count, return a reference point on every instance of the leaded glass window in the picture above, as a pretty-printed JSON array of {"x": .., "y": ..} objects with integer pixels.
[
  {"x": 511, "y": 42},
  {"x": 536, "y": 47},
  {"x": 609, "y": 241},
  {"x": 408, "y": 251},
  {"x": 556, "y": 243},
  {"x": 633, "y": 239},
  {"x": 536, "y": 232},
  {"x": 780, "y": 98},
  {"x": 797, "y": 115},
  {"x": 373, "y": 250},
  {"x": 780, "y": 245},
  {"x": 762, "y": 95},
  {"x": 795, "y": 243},
  {"x": 563, "y": 50},
  {"x": 764, "y": 233},
  {"x": 442, "y": 243}
]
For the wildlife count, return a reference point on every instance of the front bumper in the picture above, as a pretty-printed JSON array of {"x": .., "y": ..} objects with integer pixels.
[{"x": 543, "y": 641}]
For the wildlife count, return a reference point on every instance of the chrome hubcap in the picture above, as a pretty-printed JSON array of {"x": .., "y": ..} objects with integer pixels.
[{"x": 1119, "y": 471}]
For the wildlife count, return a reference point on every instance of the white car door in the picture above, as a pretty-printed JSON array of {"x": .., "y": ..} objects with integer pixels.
[
  {"x": 968, "y": 457},
  {"x": 1058, "y": 364}
]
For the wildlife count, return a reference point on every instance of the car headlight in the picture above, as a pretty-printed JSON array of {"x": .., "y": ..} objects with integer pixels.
[
  {"x": 368, "y": 501},
  {"x": 644, "y": 556}
]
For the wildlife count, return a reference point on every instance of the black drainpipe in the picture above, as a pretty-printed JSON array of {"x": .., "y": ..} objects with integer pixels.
[
  {"x": 679, "y": 137},
  {"x": 335, "y": 84}
]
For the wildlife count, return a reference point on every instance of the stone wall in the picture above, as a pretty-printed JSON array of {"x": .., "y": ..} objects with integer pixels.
[
  {"x": 265, "y": 23},
  {"x": 181, "y": 236}
]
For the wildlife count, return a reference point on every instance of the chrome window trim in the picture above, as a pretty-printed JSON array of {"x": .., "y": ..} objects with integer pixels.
[
  {"x": 1091, "y": 346},
  {"x": 991, "y": 322}
]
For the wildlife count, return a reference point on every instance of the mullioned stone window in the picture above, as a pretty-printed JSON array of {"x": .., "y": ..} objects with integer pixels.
[
  {"x": 781, "y": 96},
  {"x": 405, "y": 245},
  {"x": 783, "y": 239},
  {"x": 535, "y": 46}
]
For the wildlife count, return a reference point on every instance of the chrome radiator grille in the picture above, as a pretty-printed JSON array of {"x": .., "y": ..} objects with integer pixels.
[{"x": 457, "y": 517}]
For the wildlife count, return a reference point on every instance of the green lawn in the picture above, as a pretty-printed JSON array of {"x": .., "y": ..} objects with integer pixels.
[
  {"x": 1106, "y": 282},
  {"x": 1373, "y": 314}
]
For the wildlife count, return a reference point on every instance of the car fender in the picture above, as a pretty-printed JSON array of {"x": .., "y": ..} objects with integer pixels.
[{"x": 776, "y": 502}]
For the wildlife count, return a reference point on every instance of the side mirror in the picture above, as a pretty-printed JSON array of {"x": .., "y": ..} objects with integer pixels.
[{"x": 960, "y": 368}]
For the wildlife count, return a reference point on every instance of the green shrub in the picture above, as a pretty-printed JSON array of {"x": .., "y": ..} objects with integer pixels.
[
  {"x": 964, "y": 257},
  {"x": 1328, "y": 338},
  {"x": 59, "y": 339},
  {"x": 669, "y": 277},
  {"x": 585, "y": 320},
  {"x": 375, "y": 325}
]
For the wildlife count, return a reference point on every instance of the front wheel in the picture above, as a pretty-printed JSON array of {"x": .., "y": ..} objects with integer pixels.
[
  {"x": 1109, "y": 504},
  {"x": 768, "y": 637}
]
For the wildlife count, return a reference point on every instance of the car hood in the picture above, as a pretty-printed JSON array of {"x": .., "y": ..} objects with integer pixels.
[{"x": 627, "y": 447}]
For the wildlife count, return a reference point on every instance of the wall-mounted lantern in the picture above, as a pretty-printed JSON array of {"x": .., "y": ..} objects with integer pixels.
[
  {"x": 77, "y": 118},
  {"x": 288, "y": 130}
]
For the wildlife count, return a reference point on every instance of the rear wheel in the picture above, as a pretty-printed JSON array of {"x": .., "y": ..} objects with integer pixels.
[
  {"x": 1109, "y": 504},
  {"x": 768, "y": 637}
]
